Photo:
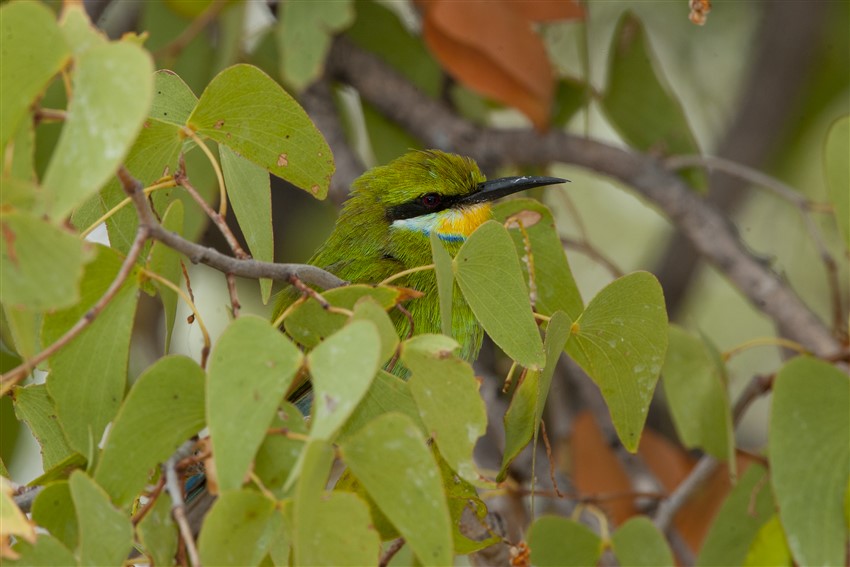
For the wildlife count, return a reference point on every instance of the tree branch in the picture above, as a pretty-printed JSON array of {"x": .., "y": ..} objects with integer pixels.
[
  {"x": 197, "y": 253},
  {"x": 704, "y": 226}
]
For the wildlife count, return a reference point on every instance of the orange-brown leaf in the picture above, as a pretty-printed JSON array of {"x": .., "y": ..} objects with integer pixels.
[{"x": 491, "y": 48}]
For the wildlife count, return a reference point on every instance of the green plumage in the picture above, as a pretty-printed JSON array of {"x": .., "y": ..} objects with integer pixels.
[{"x": 365, "y": 246}]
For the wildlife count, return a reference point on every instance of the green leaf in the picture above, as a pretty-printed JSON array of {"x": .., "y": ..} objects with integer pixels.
[
  {"x": 278, "y": 454},
  {"x": 462, "y": 497},
  {"x": 559, "y": 542},
  {"x": 158, "y": 533},
  {"x": 309, "y": 323},
  {"x": 446, "y": 392},
  {"x": 747, "y": 507},
  {"x": 106, "y": 535},
  {"x": 45, "y": 552},
  {"x": 387, "y": 393},
  {"x": 695, "y": 387},
  {"x": 304, "y": 32},
  {"x": 14, "y": 520},
  {"x": 166, "y": 262},
  {"x": 173, "y": 100},
  {"x": 244, "y": 108},
  {"x": 390, "y": 458},
  {"x": 62, "y": 470},
  {"x": 809, "y": 448},
  {"x": 24, "y": 62},
  {"x": 556, "y": 287},
  {"x": 836, "y": 150},
  {"x": 342, "y": 368},
  {"x": 54, "y": 511},
  {"x": 638, "y": 543},
  {"x": 163, "y": 409},
  {"x": 89, "y": 376},
  {"x": 251, "y": 366},
  {"x": 769, "y": 546},
  {"x": 155, "y": 149},
  {"x": 317, "y": 459},
  {"x": 41, "y": 265},
  {"x": 25, "y": 328},
  {"x": 78, "y": 30},
  {"x": 489, "y": 275},
  {"x": 367, "y": 309},
  {"x": 340, "y": 533},
  {"x": 620, "y": 341},
  {"x": 249, "y": 191},
  {"x": 27, "y": 196},
  {"x": 34, "y": 406},
  {"x": 571, "y": 95},
  {"x": 445, "y": 282},
  {"x": 104, "y": 117},
  {"x": 526, "y": 410},
  {"x": 639, "y": 104},
  {"x": 235, "y": 530}
]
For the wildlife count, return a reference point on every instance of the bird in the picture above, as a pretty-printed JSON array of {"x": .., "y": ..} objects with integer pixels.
[{"x": 385, "y": 226}]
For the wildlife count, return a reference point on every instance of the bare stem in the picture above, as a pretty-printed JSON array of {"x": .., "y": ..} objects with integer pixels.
[
  {"x": 182, "y": 180},
  {"x": 392, "y": 549}
]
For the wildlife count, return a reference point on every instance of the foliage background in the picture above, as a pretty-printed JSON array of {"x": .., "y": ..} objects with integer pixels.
[{"x": 760, "y": 83}]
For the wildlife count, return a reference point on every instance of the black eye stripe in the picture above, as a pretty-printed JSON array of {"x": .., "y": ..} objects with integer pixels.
[{"x": 417, "y": 207}]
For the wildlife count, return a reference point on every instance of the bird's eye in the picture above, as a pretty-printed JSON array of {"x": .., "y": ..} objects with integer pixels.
[{"x": 431, "y": 200}]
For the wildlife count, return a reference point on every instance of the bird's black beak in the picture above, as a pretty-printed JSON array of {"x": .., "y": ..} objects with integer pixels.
[{"x": 497, "y": 188}]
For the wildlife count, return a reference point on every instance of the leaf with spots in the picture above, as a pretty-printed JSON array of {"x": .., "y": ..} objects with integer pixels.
[
  {"x": 620, "y": 341},
  {"x": 250, "y": 370},
  {"x": 246, "y": 110}
]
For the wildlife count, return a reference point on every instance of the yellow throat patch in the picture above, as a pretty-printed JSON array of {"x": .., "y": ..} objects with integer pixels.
[{"x": 458, "y": 224}]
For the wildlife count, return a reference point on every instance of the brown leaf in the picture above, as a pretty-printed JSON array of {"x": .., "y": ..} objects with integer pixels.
[
  {"x": 597, "y": 471},
  {"x": 491, "y": 48}
]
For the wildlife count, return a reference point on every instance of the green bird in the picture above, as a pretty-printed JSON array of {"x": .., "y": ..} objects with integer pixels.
[{"x": 385, "y": 226}]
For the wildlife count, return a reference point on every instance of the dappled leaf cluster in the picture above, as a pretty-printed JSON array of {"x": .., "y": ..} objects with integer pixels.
[{"x": 380, "y": 455}]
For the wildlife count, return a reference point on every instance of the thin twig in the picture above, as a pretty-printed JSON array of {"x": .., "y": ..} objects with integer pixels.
[
  {"x": 25, "y": 496},
  {"x": 222, "y": 191},
  {"x": 197, "y": 253},
  {"x": 182, "y": 179},
  {"x": 235, "y": 306},
  {"x": 48, "y": 115},
  {"x": 152, "y": 496},
  {"x": 178, "y": 505},
  {"x": 586, "y": 248},
  {"x": 392, "y": 549},
  {"x": 549, "y": 456},
  {"x": 15, "y": 375},
  {"x": 668, "y": 507}
]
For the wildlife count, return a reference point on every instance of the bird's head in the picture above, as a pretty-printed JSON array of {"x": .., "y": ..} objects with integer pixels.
[{"x": 433, "y": 191}]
